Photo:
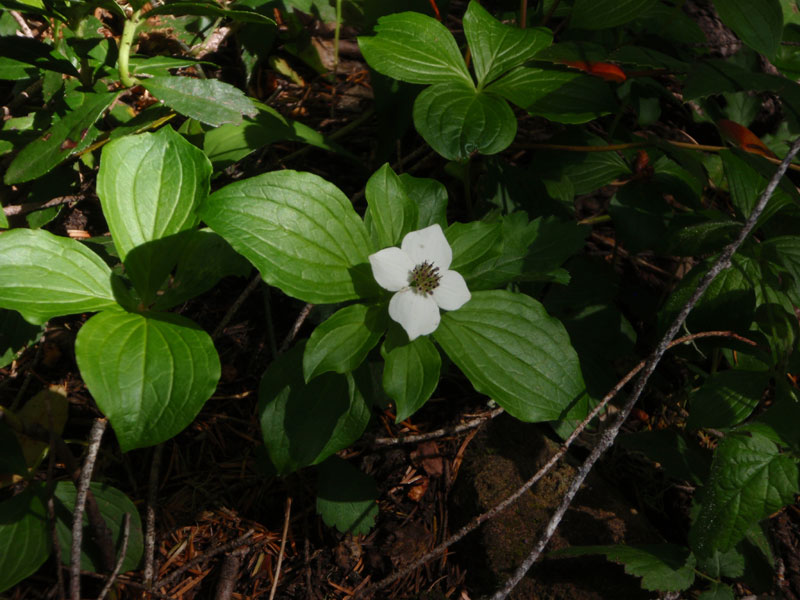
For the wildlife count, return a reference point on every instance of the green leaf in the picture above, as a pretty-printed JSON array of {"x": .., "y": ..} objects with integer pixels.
[
  {"x": 227, "y": 144},
  {"x": 22, "y": 58},
  {"x": 718, "y": 591},
  {"x": 750, "y": 479},
  {"x": 759, "y": 23},
  {"x": 723, "y": 564},
  {"x": 208, "y": 9},
  {"x": 416, "y": 48},
  {"x": 12, "y": 461},
  {"x": 603, "y": 14},
  {"x": 342, "y": 342},
  {"x": 391, "y": 212},
  {"x": 303, "y": 424},
  {"x": 149, "y": 373},
  {"x": 24, "y": 537},
  {"x": 514, "y": 352},
  {"x": 496, "y": 47},
  {"x": 69, "y": 135},
  {"x": 728, "y": 303},
  {"x": 662, "y": 567},
  {"x": 411, "y": 374},
  {"x": 747, "y": 183},
  {"x": 113, "y": 505},
  {"x": 430, "y": 196},
  {"x": 299, "y": 231},
  {"x": 785, "y": 250},
  {"x": 346, "y": 497},
  {"x": 726, "y": 398},
  {"x": 150, "y": 187},
  {"x": 205, "y": 259},
  {"x": 15, "y": 334},
  {"x": 43, "y": 275},
  {"x": 208, "y": 100},
  {"x": 457, "y": 121},
  {"x": 561, "y": 96},
  {"x": 701, "y": 238}
]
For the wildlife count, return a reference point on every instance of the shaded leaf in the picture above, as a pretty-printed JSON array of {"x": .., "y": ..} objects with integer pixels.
[
  {"x": 346, "y": 497},
  {"x": 68, "y": 136}
]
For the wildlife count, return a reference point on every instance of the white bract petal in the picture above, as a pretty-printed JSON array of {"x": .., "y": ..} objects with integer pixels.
[
  {"x": 391, "y": 268},
  {"x": 452, "y": 292},
  {"x": 417, "y": 313},
  {"x": 430, "y": 245}
]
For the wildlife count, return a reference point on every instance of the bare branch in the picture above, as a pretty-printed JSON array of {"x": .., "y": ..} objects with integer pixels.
[
  {"x": 126, "y": 531},
  {"x": 95, "y": 437},
  {"x": 610, "y": 434}
]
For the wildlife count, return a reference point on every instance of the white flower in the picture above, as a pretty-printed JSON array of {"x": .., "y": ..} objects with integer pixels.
[{"x": 418, "y": 272}]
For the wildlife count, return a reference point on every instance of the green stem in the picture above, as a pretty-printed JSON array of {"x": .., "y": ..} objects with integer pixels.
[{"x": 125, "y": 44}]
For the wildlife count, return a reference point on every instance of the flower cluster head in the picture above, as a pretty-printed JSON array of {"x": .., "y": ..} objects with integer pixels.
[{"x": 418, "y": 271}]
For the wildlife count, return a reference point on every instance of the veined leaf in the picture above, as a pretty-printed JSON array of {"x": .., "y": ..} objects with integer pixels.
[
  {"x": 303, "y": 424},
  {"x": 411, "y": 374},
  {"x": 497, "y": 47},
  {"x": 24, "y": 537},
  {"x": 759, "y": 23},
  {"x": 457, "y": 121},
  {"x": 299, "y": 231},
  {"x": 561, "y": 96},
  {"x": 513, "y": 351},
  {"x": 602, "y": 14},
  {"x": 69, "y": 135},
  {"x": 392, "y": 213},
  {"x": 750, "y": 479},
  {"x": 150, "y": 186},
  {"x": 416, "y": 48},
  {"x": 43, "y": 275},
  {"x": 662, "y": 567},
  {"x": 149, "y": 373},
  {"x": 346, "y": 497},
  {"x": 343, "y": 340},
  {"x": 208, "y": 9},
  {"x": 208, "y": 100},
  {"x": 113, "y": 506}
]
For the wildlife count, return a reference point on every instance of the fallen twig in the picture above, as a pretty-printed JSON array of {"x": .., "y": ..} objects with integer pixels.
[
  {"x": 150, "y": 516},
  {"x": 95, "y": 437},
  {"x": 609, "y": 435},
  {"x": 501, "y": 506},
  {"x": 173, "y": 577},
  {"x": 236, "y": 306},
  {"x": 123, "y": 552},
  {"x": 284, "y": 535},
  {"x": 295, "y": 328},
  {"x": 444, "y": 431}
]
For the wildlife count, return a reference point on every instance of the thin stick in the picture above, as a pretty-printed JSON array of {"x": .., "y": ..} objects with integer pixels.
[
  {"x": 236, "y": 306},
  {"x": 23, "y": 25},
  {"x": 444, "y": 431},
  {"x": 610, "y": 434},
  {"x": 295, "y": 328},
  {"x": 284, "y": 535},
  {"x": 498, "y": 508},
  {"x": 95, "y": 436},
  {"x": 150, "y": 516},
  {"x": 23, "y": 209},
  {"x": 173, "y": 577},
  {"x": 126, "y": 531}
]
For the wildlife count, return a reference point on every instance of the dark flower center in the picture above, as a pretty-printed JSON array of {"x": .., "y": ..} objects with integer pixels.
[{"x": 425, "y": 278}]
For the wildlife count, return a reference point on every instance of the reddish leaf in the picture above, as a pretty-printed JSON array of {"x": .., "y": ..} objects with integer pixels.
[
  {"x": 605, "y": 71},
  {"x": 744, "y": 138}
]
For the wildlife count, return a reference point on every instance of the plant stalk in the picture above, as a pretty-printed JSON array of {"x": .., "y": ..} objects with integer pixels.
[{"x": 125, "y": 44}]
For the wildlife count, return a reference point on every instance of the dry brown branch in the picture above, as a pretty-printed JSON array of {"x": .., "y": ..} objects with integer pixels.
[
  {"x": 610, "y": 434},
  {"x": 126, "y": 531},
  {"x": 442, "y": 432},
  {"x": 498, "y": 508},
  {"x": 95, "y": 437}
]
